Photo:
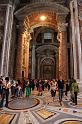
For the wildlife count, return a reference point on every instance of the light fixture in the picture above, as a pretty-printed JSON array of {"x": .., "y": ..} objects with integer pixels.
[{"x": 42, "y": 18}]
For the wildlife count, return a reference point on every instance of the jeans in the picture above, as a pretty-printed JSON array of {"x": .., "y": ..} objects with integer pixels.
[
  {"x": 60, "y": 94},
  {"x": 5, "y": 95}
]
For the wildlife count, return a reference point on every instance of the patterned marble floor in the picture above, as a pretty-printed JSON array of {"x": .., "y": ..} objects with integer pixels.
[
  {"x": 42, "y": 110},
  {"x": 23, "y": 103}
]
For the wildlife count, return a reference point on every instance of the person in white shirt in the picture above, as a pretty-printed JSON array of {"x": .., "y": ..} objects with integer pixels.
[{"x": 53, "y": 89}]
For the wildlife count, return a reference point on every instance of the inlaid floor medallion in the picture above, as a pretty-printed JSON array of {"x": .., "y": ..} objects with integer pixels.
[
  {"x": 23, "y": 103},
  {"x": 6, "y": 118},
  {"x": 45, "y": 114}
]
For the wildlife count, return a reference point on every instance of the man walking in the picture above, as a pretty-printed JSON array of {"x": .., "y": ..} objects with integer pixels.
[{"x": 60, "y": 89}]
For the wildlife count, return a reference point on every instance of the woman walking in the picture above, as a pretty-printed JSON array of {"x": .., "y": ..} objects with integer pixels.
[{"x": 53, "y": 89}]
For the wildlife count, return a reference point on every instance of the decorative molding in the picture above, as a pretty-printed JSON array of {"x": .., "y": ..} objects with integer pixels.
[
  {"x": 50, "y": 47},
  {"x": 47, "y": 58},
  {"x": 51, "y": 25},
  {"x": 62, "y": 27},
  {"x": 40, "y": 6},
  {"x": 61, "y": 18}
]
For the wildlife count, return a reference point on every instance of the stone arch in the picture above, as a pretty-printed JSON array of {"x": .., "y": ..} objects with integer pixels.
[
  {"x": 39, "y": 6},
  {"x": 42, "y": 48},
  {"x": 46, "y": 58},
  {"x": 47, "y": 68},
  {"x": 52, "y": 9}
]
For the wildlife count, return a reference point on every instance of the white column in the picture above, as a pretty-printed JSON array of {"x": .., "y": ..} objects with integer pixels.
[
  {"x": 73, "y": 40},
  {"x": 7, "y": 40},
  {"x": 33, "y": 61},
  {"x": 78, "y": 39}
]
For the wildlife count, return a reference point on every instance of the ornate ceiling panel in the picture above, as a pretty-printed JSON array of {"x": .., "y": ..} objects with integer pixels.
[
  {"x": 35, "y": 10},
  {"x": 34, "y": 18},
  {"x": 47, "y": 6}
]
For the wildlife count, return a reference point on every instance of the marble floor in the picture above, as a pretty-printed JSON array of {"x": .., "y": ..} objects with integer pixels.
[{"x": 42, "y": 110}]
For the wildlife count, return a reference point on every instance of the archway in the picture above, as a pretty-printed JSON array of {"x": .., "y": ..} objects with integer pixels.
[
  {"x": 48, "y": 69},
  {"x": 29, "y": 15}
]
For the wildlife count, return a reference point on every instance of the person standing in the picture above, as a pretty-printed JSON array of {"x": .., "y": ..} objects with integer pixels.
[
  {"x": 40, "y": 88},
  {"x": 27, "y": 88},
  {"x": 60, "y": 84},
  {"x": 67, "y": 88},
  {"x": 5, "y": 94},
  {"x": 75, "y": 90},
  {"x": 53, "y": 89}
]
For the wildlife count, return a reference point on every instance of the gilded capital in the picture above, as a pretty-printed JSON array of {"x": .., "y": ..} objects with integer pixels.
[
  {"x": 62, "y": 27},
  {"x": 61, "y": 18}
]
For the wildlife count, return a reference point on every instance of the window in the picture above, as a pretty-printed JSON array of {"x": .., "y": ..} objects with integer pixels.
[{"x": 47, "y": 35}]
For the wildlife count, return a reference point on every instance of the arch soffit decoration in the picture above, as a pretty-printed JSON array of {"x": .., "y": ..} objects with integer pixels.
[
  {"x": 39, "y": 7},
  {"x": 44, "y": 58},
  {"x": 30, "y": 8},
  {"x": 44, "y": 47},
  {"x": 48, "y": 25}
]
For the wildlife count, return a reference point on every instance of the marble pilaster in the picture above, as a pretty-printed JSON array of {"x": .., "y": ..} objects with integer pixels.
[
  {"x": 27, "y": 60},
  {"x": 33, "y": 61},
  {"x": 18, "y": 72},
  {"x": 38, "y": 67},
  {"x": 73, "y": 41},
  {"x": 57, "y": 65},
  {"x": 77, "y": 55},
  {"x": 63, "y": 58},
  {"x": 22, "y": 63},
  {"x": 7, "y": 41},
  {"x": 79, "y": 48}
]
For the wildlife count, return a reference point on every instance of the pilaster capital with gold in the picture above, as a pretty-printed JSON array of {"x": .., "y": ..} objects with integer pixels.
[
  {"x": 62, "y": 27},
  {"x": 61, "y": 18},
  {"x": 24, "y": 30}
]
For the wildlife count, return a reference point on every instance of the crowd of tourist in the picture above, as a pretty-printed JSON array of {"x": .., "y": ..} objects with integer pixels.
[{"x": 23, "y": 88}]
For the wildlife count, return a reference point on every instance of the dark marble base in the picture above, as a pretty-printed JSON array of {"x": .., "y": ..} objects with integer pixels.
[{"x": 23, "y": 103}]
